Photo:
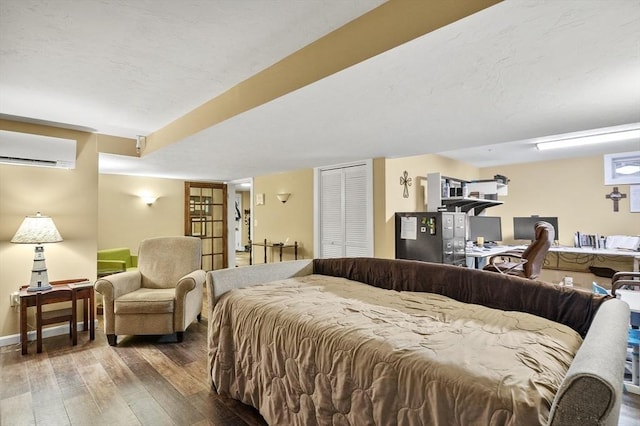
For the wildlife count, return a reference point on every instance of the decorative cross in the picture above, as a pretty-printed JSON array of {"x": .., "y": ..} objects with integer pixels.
[
  {"x": 615, "y": 196},
  {"x": 406, "y": 181}
]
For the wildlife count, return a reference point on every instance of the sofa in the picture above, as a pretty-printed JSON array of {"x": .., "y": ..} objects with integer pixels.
[
  {"x": 114, "y": 260},
  {"x": 588, "y": 393}
]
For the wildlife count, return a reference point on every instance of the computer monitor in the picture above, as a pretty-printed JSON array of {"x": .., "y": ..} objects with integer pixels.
[
  {"x": 488, "y": 227},
  {"x": 524, "y": 227}
]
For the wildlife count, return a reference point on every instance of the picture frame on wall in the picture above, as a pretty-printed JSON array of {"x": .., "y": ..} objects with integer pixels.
[{"x": 622, "y": 168}]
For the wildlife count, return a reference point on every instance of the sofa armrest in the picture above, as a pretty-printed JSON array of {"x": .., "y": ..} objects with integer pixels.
[
  {"x": 189, "y": 295},
  {"x": 116, "y": 285},
  {"x": 189, "y": 282},
  {"x": 134, "y": 261},
  {"x": 113, "y": 286},
  {"x": 591, "y": 392},
  {"x": 224, "y": 280}
]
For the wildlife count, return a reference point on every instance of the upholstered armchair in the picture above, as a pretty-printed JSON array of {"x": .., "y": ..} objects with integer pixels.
[
  {"x": 164, "y": 296},
  {"x": 527, "y": 264}
]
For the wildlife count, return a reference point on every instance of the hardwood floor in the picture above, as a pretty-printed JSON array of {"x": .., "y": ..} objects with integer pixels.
[
  {"x": 242, "y": 258},
  {"x": 145, "y": 380}
]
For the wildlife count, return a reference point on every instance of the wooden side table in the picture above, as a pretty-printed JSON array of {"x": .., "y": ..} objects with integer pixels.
[
  {"x": 61, "y": 291},
  {"x": 279, "y": 246}
]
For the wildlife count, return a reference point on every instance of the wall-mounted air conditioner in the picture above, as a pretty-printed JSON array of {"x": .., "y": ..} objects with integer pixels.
[{"x": 36, "y": 150}]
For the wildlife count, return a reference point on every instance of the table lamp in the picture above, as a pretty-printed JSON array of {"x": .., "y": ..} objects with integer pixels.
[{"x": 37, "y": 230}]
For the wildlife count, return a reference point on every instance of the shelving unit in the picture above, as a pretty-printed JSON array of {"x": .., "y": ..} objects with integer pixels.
[{"x": 474, "y": 205}]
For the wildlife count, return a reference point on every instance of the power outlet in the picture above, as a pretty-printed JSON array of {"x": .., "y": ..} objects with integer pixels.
[{"x": 14, "y": 298}]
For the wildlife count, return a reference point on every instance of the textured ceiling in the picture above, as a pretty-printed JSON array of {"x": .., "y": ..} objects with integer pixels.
[
  {"x": 488, "y": 83},
  {"x": 129, "y": 67}
]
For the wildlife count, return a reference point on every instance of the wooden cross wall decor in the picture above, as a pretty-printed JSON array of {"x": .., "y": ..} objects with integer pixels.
[
  {"x": 405, "y": 180},
  {"x": 615, "y": 196}
]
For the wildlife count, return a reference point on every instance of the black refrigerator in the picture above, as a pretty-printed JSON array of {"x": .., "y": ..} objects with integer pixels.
[{"x": 431, "y": 237}]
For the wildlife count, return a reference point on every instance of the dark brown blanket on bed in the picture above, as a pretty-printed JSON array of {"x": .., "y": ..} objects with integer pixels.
[{"x": 573, "y": 308}]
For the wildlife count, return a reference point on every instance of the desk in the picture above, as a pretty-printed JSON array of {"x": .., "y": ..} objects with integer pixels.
[
  {"x": 600, "y": 252},
  {"x": 280, "y": 246},
  {"x": 480, "y": 255},
  {"x": 61, "y": 291},
  {"x": 632, "y": 297}
]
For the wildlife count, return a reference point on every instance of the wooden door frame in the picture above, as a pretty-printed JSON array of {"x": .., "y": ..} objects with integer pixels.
[{"x": 187, "y": 215}]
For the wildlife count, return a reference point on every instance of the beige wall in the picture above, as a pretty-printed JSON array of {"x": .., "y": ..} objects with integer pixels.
[
  {"x": 68, "y": 196},
  {"x": 125, "y": 220},
  {"x": 573, "y": 190},
  {"x": 417, "y": 168},
  {"x": 278, "y": 221}
]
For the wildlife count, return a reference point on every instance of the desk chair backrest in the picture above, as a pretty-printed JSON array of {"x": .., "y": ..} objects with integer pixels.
[{"x": 537, "y": 250}]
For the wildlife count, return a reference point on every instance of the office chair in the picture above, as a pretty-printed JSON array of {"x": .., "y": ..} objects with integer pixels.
[{"x": 526, "y": 264}]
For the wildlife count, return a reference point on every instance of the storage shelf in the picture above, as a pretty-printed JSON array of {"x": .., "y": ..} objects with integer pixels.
[
  {"x": 473, "y": 205},
  {"x": 466, "y": 204}
]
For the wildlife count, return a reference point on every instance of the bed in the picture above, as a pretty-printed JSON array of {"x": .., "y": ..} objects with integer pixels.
[{"x": 385, "y": 342}]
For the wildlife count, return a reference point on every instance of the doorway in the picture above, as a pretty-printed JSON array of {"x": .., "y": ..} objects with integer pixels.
[
  {"x": 240, "y": 228},
  {"x": 206, "y": 218},
  {"x": 344, "y": 210}
]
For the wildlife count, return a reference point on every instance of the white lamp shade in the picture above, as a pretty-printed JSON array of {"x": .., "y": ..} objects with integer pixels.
[{"x": 37, "y": 229}]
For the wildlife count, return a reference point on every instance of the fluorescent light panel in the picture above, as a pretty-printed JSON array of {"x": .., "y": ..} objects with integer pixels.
[
  {"x": 628, "y": 170},
  {"x": 568, "y": 142}
]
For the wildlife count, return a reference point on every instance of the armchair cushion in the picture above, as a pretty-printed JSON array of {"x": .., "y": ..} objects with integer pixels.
[{"x": 146, "y": 301}]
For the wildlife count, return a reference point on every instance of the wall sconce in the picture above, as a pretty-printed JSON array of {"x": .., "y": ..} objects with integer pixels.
[
  {"x": 141, "y": 143},
  {"x": 148, "y": 199},
  {"x": 283, "y": 197}
]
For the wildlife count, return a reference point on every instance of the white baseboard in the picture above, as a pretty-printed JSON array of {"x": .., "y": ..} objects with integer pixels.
[{"x": 58, "y": 330}]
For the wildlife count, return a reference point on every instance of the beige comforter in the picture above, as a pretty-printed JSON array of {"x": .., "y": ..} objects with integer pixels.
[{"x": 329, "y": 351}]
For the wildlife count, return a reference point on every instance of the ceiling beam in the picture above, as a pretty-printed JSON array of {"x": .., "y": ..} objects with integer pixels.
[{"x": 385, "y": 27}]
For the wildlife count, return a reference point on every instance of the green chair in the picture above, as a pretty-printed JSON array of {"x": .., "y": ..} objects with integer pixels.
[{"x": 112, "y": 261}]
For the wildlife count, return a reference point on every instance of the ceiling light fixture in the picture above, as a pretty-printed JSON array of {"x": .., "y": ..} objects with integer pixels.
[{"x": 617, "y": 134}]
